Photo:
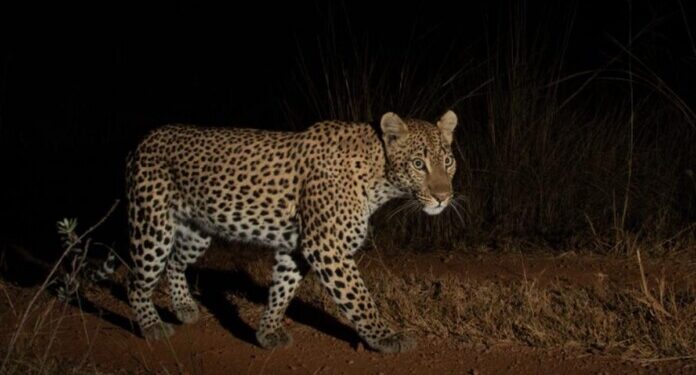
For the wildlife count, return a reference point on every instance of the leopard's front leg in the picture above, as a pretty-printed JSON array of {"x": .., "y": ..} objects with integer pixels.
[
  {"x": 325, "y": 245},
  {"x": 340, "y": 276}
]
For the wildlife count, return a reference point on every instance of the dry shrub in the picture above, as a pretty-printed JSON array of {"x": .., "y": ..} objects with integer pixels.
[
  {"x": 604, "y": 318},
  {"x": 39, "y": 320}
]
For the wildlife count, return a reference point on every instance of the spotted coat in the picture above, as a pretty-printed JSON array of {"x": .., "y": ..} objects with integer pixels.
[{"x": 307, "y": 194}]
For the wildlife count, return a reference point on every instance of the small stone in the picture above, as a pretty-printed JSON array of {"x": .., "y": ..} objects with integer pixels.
[
  {"x": 350, "y": 362},
  {"x": 474, "y": 371}
]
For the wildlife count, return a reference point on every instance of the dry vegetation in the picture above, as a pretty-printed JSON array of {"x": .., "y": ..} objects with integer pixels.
[
  {"x": 657, "y": 323},
  {"x": 599, "y": 159},
  {"x": 645, "y": 320},
  {"x": 610, "y": 320},
  {"x": 38, "y": 322}
]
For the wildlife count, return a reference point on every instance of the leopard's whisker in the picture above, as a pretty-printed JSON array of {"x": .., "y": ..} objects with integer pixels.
[
  {"x": 456, "y": 211},
  {"x": 402, "y": 207}
]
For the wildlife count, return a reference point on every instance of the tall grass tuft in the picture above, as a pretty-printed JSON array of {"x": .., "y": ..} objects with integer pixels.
[{"x": 596, "y": 158}]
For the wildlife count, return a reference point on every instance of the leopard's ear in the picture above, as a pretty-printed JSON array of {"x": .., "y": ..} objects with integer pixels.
[
  {"x": 393, "y": 127},
  {"x": 446, "y": 124}
]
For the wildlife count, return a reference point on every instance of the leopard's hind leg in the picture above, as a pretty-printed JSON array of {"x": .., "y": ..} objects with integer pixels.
[{"x": 189, "y": 246}]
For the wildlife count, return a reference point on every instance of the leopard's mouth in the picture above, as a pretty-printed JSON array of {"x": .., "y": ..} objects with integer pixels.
[
  {"x": 433, "y": 206},
  {"x": 430, "y": 205},
  {"x": 434, "y": 210}
]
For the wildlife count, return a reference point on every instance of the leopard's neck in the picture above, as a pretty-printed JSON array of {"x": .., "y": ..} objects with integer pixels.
[{"x": 380, "y": 188}]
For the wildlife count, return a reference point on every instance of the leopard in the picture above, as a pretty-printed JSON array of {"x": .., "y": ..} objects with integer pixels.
[{"x": 308, "y": 195}]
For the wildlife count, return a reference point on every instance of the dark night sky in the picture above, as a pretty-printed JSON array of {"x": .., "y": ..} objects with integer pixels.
[{"x": 82, "y": 83}]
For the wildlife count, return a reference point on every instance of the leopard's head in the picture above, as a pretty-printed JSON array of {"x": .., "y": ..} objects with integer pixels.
[{"x": 420, "y": 159}]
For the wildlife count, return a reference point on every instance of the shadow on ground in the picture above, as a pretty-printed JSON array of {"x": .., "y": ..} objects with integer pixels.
[{"x": 213, "y": 286}]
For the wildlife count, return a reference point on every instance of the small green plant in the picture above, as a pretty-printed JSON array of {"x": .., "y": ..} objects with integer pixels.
[{"x": 66, "y": 284}]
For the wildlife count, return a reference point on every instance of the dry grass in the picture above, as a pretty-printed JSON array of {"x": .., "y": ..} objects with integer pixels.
[
  {"x": 34, "y": 349},
  {"x": 30, "y": 357},
  {"x": 35, "y": 335},
  {"x": 610, "y": 320},
  {"x": 597, "y": 159},
  {"x": 648, "y": 322}
]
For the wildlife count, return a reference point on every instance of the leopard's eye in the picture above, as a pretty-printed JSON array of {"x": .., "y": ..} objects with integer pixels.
[
  {"x": 448, "y": 161},
  {"x": 419, "y": 164}
]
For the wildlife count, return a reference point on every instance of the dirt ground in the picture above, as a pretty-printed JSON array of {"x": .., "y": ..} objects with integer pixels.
[{"x": 96, "y": 334}]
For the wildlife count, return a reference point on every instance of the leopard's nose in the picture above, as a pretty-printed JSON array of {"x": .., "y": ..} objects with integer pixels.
[{"x": 441, "y": 196}]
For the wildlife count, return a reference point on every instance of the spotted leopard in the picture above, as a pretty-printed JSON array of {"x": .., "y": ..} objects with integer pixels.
[{"x": 307, "y": 194}]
